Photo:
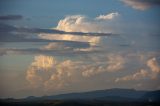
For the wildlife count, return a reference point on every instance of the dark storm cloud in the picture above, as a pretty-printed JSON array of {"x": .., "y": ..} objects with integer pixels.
[{"x": 11, "y": 17}]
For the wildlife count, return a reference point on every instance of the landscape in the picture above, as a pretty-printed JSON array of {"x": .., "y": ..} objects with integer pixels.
[
  {"x": 109, "y": 97},
  {"x": 79, "y": 53}
]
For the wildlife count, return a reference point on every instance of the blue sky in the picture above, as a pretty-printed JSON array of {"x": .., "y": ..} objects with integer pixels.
[{"x": 58, "y": 46}]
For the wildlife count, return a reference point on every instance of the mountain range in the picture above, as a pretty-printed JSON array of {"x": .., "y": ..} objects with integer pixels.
[{"x": 108, "y": 97}]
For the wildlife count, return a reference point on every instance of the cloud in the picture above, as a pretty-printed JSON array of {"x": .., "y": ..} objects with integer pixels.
[
  {"x": 19, "y": 34},
  {"x": 90, "y": 39},
  {"x": 151, "y": 73},
  {"x": 72, "y": 47},
  {"x": 81, "y": 23},
  {"x": 22, "y": 33},
  {"x": 60, "y": 32},
  {"x": 153, "y": 64},
  {"x": 154, "y": 67},
  {"x": 116, "y": 62},
  {"x": 3, "y": 51},
  {"x": 113, "y": 63},
  {"x": 11, "y": 17},
  {"x": 73, "y": 35},
  {"x": 48, "y": 73},
  {"x": 136, "y": 76},
  {"x": 65, "y": 46},
  {"x": 75, "y": 23},
  {"x": 56, "y": 48},
  {"x": 141, "y": 4},
  {"x": 108, "y": 16}
]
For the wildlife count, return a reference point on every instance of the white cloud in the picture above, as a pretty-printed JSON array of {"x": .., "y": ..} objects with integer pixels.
[
  {"x": 48, "y": 73},
  {"x": 75, "y": 23},
  {"x": 108, "y": 16},
  {"x": 154, "y": 67},
  {"x": 153, "y": 64},
  {"x": 80, "y": 23},
  {"x": 43, "y": 62},
  {"x": 91, "y": 40},
  {"x": 69, "y": 48},
  {"x": 41, "y": 65},
  {"x": 151, "y": 73},
  {"x": 136, "y": 76},
  {"x": 113, "y": 63},
  {"x": 55, "y": 46},
  {"x": 66, "y": 73}
]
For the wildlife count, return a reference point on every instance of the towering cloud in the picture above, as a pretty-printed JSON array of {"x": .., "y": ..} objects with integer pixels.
[
  {"x": 81, "y": 23},
  {"x": 75, "y": 23},
  {"x": 48, "y": 73}
]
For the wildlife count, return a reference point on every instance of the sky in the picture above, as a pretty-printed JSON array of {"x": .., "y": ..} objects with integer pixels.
[{"x": 50, "y": 47}]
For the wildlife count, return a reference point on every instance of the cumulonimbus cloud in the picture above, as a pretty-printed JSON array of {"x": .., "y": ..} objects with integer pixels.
[
  {"x": 81, "y": 23},
  {"x": 141, "y": 4},
  {"x": 77, "y": 34},
  {"x": 48, "y": 73},
  {"x": 14, "y": 33}
]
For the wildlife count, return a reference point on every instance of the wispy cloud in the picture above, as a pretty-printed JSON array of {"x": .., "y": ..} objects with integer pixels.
[
  {"x": 141, "y": 4},
  {"x": 11, "y": 17},
  {"x": 142, "y": 74},
  {"x": 109, "y": 16},
  {"x": 78, "y": 49}
]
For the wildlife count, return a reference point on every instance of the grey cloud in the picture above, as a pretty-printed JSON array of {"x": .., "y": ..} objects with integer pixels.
[
  {"x": 55, "y": 31},
  {"x": 142, "y": 4},
  {"x": 12, "y": 29},
  {"x": 68, "y": 52},
  {"x": 11, "y": 17},
  {"x": 10, "y": 33}
]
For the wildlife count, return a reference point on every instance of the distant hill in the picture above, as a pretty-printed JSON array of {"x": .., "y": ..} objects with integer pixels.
[
  {"x": 109, "y": 94},
  {"x": 94, "y": 97}
]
